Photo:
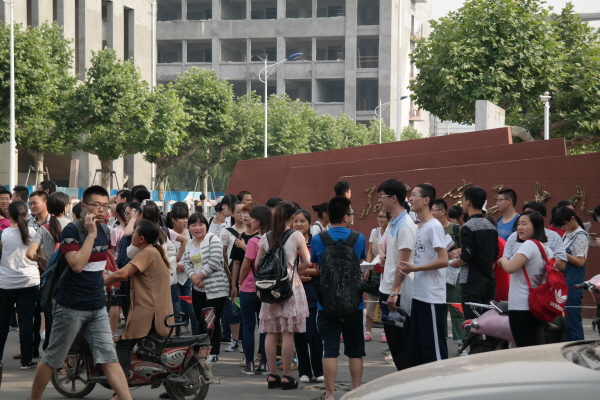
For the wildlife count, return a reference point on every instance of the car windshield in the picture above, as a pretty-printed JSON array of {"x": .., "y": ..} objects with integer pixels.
[{"x": 585, "y": 354}]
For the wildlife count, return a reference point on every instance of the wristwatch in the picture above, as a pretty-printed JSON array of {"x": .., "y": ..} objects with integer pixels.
[{"x": 393, "y": 294}]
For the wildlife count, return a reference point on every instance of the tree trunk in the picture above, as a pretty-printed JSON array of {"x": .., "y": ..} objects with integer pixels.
[
  {"x": 204, "y": 176},
  {"x": 160, "y": 182},
  {"x": 38, "y": 163},
  {"x": 106, "y": 169}
]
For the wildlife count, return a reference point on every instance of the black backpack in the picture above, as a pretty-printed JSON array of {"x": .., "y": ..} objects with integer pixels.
[
  {"x": 59, "y": 266},
  {"x": 340, "y": 293},
  {"x": 273, "y": 283}
]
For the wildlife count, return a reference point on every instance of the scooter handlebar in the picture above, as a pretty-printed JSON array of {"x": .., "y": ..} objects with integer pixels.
[{"x": 583, "y": 285}]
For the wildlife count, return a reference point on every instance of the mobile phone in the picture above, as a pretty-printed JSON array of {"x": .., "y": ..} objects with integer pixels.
[{"x": 84, "y": 212}]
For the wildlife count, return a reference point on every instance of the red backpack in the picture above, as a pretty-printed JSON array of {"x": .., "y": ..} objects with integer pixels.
[{"x": 547, "y": 301}]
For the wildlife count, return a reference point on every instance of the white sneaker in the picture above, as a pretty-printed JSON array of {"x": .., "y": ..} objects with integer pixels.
[
  {"x": 233, "y": 346},
  {"x": 321, "y": 378},
  {"x": 304, "y": 379},
  {"x": 212, "y": 359},
  {"x": 43, "y": 335}
]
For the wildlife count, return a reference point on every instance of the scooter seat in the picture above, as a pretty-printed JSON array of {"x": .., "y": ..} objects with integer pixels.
[
  {"x": 187, "y": 340},
  {"x": 503, "y": 306}
]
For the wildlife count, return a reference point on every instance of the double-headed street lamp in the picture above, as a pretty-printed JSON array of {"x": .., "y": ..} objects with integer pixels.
[
  {"x": 379, "y": 110},
  {"x": 266, "y": 71},
  {"x": 12, "y": 142},
  {"x": 545, "y": 98}
]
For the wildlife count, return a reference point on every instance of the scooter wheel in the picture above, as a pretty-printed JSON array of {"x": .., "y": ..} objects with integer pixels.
[
  {"x": 72, "y": 380},
  {"x": 198, "y": 391}
]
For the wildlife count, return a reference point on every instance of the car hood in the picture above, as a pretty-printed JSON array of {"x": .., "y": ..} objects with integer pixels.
[{"x": 537, "y": 372}]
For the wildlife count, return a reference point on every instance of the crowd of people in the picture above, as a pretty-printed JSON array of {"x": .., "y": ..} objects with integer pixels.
[{"x": 127, "y": 260}]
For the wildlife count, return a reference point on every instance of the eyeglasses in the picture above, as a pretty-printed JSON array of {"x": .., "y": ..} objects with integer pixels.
[
  {"x": 415, "y": 195},
  {"x": 351, "y": 214},
  {"x": 381, "y": 196},
  {"x": 98, "y": 205},
  {"x": 498, "y": 200}
]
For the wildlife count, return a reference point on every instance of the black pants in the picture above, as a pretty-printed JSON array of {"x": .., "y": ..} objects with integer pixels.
[
  {"x": 311, "y": 364},
  {"x": 427, "y": 342},
  {"x": 123, "y": 293},
  {"x": 397, "y": 338},
  {"x": 525, "y": 328},
  {"x": 200, "y": 301},
  {"x": 481, "y": 294},
  {"x": 26, "y": 300},
  {"x": 124, "y": 350}
]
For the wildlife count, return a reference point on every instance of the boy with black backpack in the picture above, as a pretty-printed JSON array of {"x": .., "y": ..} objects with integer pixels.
[{"x": 337, "y": 254}]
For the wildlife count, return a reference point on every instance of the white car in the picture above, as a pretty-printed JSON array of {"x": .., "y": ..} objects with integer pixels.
[{"x": 566, "y": 371}]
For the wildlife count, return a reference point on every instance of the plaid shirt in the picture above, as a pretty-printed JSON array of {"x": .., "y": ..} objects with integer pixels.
[{"x": 33, "y": 222}]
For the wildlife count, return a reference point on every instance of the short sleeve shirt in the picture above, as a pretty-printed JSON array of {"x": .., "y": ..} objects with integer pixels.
[
  {"x": 518, "y": 292},
  {"x": 83, "y": 291},
  {"x": 579, "y": 246},
  {"x": 251, "y": 252},
  {"x": 45, "y": 241},
  {"x": 429, "y": 286},
  {"x": 402, "y": 238},
  {"x": 506, "y": 229},
  {"x": 237, "y": 253}
]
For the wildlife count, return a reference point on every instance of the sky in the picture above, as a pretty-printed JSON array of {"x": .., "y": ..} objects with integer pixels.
[{"x": 440, "y": 8}]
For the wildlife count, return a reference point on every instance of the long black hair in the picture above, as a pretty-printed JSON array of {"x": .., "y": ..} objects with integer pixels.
[
  {"x": 17, "y": 210},
  {"x": 264, "y": 217},
  {"x": 178, "y": 210},
  {"x": 151, "y": 233},
  {"x": 283, "y": 212},
  {"x": 57, "y": 202},
  {"x": 320, "y": 209},
  {"x": 539, "y": 233},
  {"x": 564, "y": 214},
  {"x": 560, "y": 204},
  {"x": 306, "y": 214},
  {"x": 150, "y": 212}
]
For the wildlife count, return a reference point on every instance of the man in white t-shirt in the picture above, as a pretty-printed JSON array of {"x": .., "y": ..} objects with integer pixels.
[
  {"x": 427, "y": 341},
  {"x": 398, "y": 243}
]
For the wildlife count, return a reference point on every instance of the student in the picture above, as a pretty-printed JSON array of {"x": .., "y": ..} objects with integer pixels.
[
  {"x": 47, "y": 186},
  {"x": 217, "y": 223},
  {"x": 525, "y": 328},
  {"x": 288, "y": 316},
  {"x": 553, "y": 225},
  {"x": 479, "y": 241},
  {"x": 456, "y": 215},
  {"x": 203, "y": 263},
  {"x": 351, "y": 326},
  {"x": 79, "y": 302},
  {"x": 399, "y": 243},
  {"x": 132, "y": 212},
  {"x": 427, "y": 342},
  {"x": 5, "y": 199},
  {"x": 245, "y": 197},
  {"x": 576, "y": 244},
  {"x": 20, "y": 193},
  {"x": 272, "y": 203},
  {"x": 309, "y": 345},
  {"x": 506, "y": 200},
  {"x": 39, "y": 209},
  {"x": 19, "y": 282},
  {"x": 372, "y": 253},
  {"x": 342, "y": 188},
  {"x": 439, "y": 211},
  {"x": 259, "y": 223},
  {"x": 323, "y": 222},
  {"x": 231, "y": 312}
]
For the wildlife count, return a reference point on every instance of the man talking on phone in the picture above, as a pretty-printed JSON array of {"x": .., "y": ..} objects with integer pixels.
[{"x": 79, "y": 301}]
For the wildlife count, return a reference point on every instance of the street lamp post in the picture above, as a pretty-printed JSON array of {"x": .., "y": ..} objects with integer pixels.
[
  {"x": 266, "y": 71},
  {"x": 12, "y": 142},
  {"x": 379, "y": 111},
  {"x": 545, "y": 98}
]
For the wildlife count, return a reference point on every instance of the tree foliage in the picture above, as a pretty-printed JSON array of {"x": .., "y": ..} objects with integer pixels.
[
  {"x": 43, "y": 82},
  {"x": 510, "y": 52}
]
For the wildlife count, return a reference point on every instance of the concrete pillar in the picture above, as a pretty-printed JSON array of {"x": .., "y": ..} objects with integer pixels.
[
  {"x": 90, "y": 24},
  {"x": 88, "y": 164},
  {"x": 388, "y": 57},
  {"x": 313, "y": 80},
  {"x": 66, "y": 17},
  {"x": 140, "y": 172},
  {"x": 350, "y": 64},
  {"x": 216, "y": 52},
  {"x": 281, "y": 9},
  {"x": 281, "y": 68},
  {"x": 183, "y": 13},
  {"x": 216, "y": 12},
  {"x": 41, "y": 11}
]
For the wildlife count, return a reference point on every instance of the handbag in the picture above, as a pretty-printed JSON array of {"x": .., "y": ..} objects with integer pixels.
[
  {"x": 547, "y": 301},
  {"x": 371, "y": 285}
]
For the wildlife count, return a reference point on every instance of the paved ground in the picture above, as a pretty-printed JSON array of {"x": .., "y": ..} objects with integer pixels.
[{"x": 16, "y": 383}]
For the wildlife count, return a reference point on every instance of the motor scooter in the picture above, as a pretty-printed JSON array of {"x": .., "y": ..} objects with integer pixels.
[
  {"x": 493, "y": 329},
  {"x": 593, "y": 285},
  {"x": 177, "y": 363}
]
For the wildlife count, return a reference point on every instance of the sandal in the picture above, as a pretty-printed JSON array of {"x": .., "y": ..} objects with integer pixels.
[
  {"x": 274, "y": 384},
  {"x": 290, "y": 384}
]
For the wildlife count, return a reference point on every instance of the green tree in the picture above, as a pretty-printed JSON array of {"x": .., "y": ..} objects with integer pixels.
[
  {"x": 410, "y": 133},
  {"x": 43, "y": 82},
  {"x": 209, "y": 102},
  {"x": 110, "y": 110},
  {"x": 167, "y": 133},
  {"x": 387, "y": 134},
  {"x": 510, "y": 52}
]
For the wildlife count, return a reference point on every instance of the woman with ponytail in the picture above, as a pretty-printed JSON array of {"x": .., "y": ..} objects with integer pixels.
[
  {"x": 19, "y": 282},
  {"x": 150, "y": 290},
  {"x": 48, "y": 236}
]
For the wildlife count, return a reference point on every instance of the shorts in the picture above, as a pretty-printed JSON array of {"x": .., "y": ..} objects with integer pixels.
[
  {"x": 371, "y": 305},
  {"x": 351, "y": 327},
  {"x": 113, "y": 299},
  {"x": 235, "y": 315},
  {"x": 66, "y": 325}
]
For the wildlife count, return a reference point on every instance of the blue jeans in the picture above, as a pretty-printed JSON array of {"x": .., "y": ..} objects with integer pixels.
[
  {"x": 250, "y": 306},
  {"x": 226, "y": 335},
  {"x": 26, "y": 300},
  {"x": 573, "y": 319},
  {"x": 183, "y": 306}
]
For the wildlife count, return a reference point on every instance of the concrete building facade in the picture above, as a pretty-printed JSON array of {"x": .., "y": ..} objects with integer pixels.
[
  {"x": 355, "y": 52},
  {"x": 124, "y": 25}
]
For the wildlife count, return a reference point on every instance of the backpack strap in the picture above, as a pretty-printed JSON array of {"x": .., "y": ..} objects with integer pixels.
[
  {"x": 233, "y": 232},
  {"x": 539, "y": 245},
  {"x": 573, "y": 239},
  {"x": 527, "y": 277},
  {"x": 351, "y": 239},
  {"x": 286, "y": 236},
  {"x": 326, "y": 238}
]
